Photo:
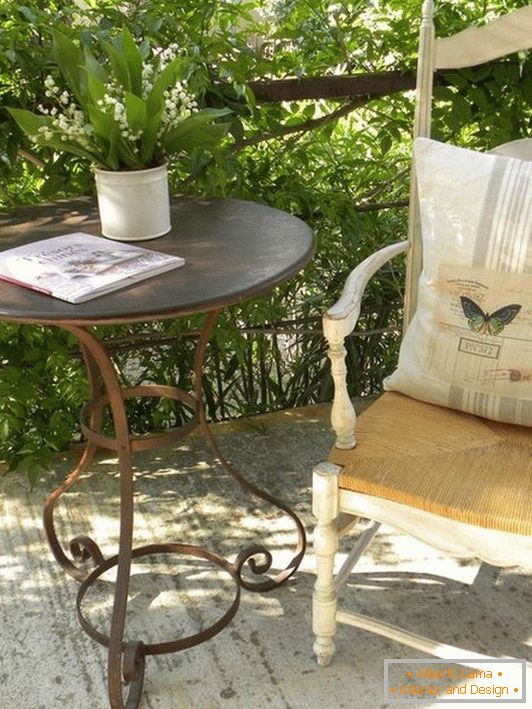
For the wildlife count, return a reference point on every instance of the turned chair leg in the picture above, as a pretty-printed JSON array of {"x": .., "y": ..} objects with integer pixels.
[
  {"x": 325, "y": 508},
  {"x": 343, "y": 416}
]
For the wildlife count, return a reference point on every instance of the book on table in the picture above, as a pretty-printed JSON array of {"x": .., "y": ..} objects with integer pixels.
[{"x": 78, "y": 267}]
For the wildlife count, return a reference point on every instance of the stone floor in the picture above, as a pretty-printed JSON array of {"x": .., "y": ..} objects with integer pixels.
[{"x": 263, "y": 658}]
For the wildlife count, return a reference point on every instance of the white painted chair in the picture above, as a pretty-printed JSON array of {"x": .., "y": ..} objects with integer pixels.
[{"x": 410, "y": 432}]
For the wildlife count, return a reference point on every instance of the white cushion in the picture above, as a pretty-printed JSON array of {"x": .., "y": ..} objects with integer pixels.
[{"x": 469, "y": 345}]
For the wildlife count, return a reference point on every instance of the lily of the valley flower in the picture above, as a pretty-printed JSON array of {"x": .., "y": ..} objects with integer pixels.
[{"x": 130, "y": 111}]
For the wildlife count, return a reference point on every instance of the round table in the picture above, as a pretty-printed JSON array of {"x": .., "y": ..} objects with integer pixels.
[{"x": 234, "y": 251}]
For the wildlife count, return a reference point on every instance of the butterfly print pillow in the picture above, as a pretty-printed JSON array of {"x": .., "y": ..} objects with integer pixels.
[{"x": 469, "y": 345}]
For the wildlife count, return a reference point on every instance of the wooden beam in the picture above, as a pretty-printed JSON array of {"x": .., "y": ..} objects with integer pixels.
[{"x": 375, "y": 84}]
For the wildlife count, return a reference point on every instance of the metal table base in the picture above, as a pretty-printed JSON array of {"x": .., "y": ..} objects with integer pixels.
[{"x": 126, "y": 660}]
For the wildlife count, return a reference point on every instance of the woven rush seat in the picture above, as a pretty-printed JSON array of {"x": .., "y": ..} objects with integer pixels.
[{"x": 442, "y": 461}]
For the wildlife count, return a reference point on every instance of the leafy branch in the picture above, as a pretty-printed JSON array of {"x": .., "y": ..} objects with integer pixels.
[{"x": 308, "y": 125}]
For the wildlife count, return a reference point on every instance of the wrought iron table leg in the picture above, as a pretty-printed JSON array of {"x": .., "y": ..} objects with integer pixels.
[
  {"x": 81, "y": 547},
  {"x": 250, "y": 554},
  {"x": 98, "y": 356}
]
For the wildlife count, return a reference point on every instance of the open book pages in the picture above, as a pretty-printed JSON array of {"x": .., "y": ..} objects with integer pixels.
[{"x": 78, "y": 267}]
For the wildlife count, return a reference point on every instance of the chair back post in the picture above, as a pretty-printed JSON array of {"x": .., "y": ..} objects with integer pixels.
[{"x": 422, "y": 121}]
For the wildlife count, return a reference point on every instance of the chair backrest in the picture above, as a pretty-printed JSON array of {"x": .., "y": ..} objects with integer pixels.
[{"x": 471, "y": 47}]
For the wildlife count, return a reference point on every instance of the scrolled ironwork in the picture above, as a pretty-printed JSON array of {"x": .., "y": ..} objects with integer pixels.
[
  {"x": 84, "y": 548},
  {"x": 182, "y": 643},
  {"x": 246, "y": 556}
]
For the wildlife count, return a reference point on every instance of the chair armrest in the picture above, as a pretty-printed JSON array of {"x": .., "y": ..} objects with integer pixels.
[
  {"x": 347, "y": 307},
  {"x": 338, "y": 322}
]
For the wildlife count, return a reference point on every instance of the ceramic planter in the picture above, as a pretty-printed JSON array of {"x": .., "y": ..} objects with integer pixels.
[{"x": 134, "y": 205}]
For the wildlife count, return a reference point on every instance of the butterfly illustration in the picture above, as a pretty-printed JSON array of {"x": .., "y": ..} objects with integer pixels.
[{"x": 486, "y": 323}]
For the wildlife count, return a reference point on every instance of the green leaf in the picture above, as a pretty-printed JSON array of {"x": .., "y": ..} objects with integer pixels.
[
  {"x": 444, "y": 93},
  {"x": 479, "y": 97},
  {"x": 309, "y": 111},
  {"x": 119, "y": 66},
  {"x": 149, "y": 137},
  {"x": 133, "y": 59},
  {"x": 115, "y": 151},
  {"x": 250, "y": 97},
  {"x": 386, "y": 143},
  {"x": 68, "y": 146},
  {"x": 237, "y": 129},
  {"x": 96, "y": 89},
  {"x": 28, "y": 121},
  {"x": 137, "y": 116},
  {"x": 70, "y": 60},
  {"x": 195, "y": 131},
  {"x": 169, "y": 76},
  {"x": 4, "y": 429},
  {"x": 102, "y": 123},
  {"x": 126, "y": 155},
  {"x": 112, "y": 162},
  {"x": 94, "y": 67},
  {"x": 96, "y": 77},
  {"x": 461, "y": 110},
  {"x": 53, "y": 186}
]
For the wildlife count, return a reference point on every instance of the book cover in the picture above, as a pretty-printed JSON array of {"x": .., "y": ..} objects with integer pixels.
[{"x": 78, "y": 267}]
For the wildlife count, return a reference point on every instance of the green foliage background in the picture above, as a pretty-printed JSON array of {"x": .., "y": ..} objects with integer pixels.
[{"x": 267, "y": 354}]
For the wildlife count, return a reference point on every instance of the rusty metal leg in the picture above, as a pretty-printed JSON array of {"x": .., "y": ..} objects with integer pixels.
[
  {"x": 257, "y": 556},
  {"x": 129, "y": 656},
  {"x": 81, "y": 547}
]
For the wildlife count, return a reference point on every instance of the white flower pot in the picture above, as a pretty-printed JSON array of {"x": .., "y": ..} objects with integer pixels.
[{"x": 133, "y": 205}]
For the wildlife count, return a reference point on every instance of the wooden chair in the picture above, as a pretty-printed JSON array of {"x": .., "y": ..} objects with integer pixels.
[{"x": 431, "y": 453}]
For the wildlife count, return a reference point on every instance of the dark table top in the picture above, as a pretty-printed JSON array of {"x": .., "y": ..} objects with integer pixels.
[{"x": 234, "y": 251}]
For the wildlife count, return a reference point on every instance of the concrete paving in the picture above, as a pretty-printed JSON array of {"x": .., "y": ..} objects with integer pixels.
[{"x": 264, "y": 658}]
